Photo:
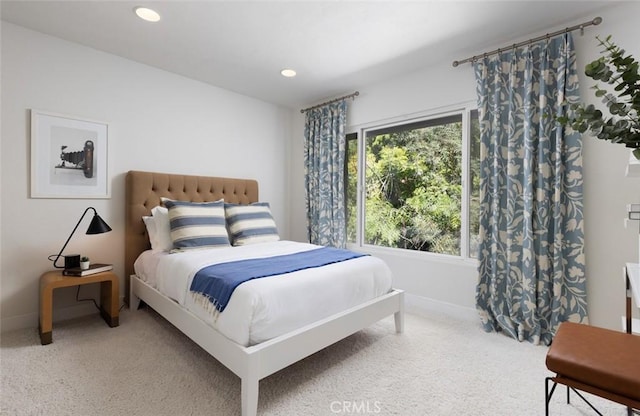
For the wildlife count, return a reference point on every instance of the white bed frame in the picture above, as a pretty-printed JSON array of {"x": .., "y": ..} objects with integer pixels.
[
  {"x": 254, "y": 363},
  {"x": 251, "y": 364}
]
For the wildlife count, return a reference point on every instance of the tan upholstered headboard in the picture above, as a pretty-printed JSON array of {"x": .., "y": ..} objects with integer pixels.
[{"x": 143, "y": 192}]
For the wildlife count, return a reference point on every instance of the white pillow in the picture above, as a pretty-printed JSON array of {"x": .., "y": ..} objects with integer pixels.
[
  {"x": 162, "y": 229},
  {"x": 150, "y": 223}
]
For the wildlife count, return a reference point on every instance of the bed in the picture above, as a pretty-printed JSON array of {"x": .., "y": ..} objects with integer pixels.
[{"x": 249, "y": 361}]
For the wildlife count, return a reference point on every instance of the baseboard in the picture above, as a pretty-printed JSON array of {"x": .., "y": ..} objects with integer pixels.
[
  {"x": 19, "y": 322},
  {"x": 419, "y": 305},
  {"x": 30, "y": 320}
]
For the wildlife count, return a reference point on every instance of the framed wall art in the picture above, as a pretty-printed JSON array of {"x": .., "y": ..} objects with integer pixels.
[{"x": 69, "y": 157}]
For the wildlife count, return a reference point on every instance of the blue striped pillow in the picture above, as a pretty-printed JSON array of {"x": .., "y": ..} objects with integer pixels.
[
  {"x": 249, "y": 224},
  {"x": 197, "y": 224}
]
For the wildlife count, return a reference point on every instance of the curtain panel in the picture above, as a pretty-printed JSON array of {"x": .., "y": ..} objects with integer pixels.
[
  {"x": 531, "y": 254},
  {"x": 324, "y": 158}
]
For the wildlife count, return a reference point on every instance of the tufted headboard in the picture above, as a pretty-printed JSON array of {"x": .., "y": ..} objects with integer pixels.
[{"x": 143, "y": 192}]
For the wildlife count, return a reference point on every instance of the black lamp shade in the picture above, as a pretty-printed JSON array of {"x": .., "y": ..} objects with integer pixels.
[{"x": 98, "y": 226}]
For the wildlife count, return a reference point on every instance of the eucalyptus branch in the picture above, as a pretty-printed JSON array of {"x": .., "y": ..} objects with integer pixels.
[{"x": 621, "y": 71}]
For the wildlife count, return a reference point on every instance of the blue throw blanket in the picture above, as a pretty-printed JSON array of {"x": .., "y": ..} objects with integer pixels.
[{"x": 217, "y": 282}]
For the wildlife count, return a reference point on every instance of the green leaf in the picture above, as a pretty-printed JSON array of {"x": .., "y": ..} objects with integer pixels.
[{"x": 620, "y": 71}]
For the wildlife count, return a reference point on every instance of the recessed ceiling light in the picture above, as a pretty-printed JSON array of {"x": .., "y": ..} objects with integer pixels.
[
  {"x": 289, "y": 73},
  {"x": 147, "y": 14}
]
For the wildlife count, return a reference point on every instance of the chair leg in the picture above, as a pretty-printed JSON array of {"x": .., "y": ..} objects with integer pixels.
[
  {"x": 548, "y": 394},
  {"x": 586, "y": 401}
]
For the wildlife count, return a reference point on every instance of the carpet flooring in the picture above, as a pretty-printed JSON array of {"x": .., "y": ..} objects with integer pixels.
[{"x": 439, "y": 366}]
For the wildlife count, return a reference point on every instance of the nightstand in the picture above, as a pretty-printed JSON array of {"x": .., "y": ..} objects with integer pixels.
[{"x": 109, "y": 298}]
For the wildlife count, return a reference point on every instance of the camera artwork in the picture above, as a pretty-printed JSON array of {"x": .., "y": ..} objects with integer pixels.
[
  {"x": 68, "y": 157},
  {"x": 78, "y": 160}
]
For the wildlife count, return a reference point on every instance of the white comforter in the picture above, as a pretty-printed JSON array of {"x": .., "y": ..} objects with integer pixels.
[{"x": 264, "y": 308}]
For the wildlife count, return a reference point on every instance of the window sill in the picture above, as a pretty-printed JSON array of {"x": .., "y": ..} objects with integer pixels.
[{"x": 414, "y": 255}]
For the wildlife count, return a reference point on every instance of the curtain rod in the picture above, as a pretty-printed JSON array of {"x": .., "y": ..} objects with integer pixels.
[
  {"x": 595, "y": 21},
  {"x": 352, "y": 95}
]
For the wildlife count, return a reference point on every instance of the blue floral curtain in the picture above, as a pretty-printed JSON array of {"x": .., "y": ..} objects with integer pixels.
[
  {"x": 531, "y": 255},
  {"x": 324, "y": 155}
]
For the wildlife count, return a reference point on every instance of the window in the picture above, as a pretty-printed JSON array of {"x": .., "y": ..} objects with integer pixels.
[{"x": 419, "y": 184}]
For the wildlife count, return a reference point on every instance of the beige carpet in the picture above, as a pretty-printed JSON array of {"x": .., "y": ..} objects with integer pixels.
[{"x": 439, "y": 366}]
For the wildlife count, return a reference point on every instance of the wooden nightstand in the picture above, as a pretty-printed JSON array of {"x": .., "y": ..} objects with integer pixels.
[{"x": 109, "y": 298}]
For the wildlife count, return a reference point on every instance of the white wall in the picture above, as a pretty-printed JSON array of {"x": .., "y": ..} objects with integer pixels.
[
  {"x": 158, "y": 121},
  {"x": 450, "y": 284},
  {"x": 163, "y": 122},
  {"x": 609, "y": 244}
]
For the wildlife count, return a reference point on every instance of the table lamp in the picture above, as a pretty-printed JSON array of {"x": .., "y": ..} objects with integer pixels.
[{"x": 97, "y": 226}]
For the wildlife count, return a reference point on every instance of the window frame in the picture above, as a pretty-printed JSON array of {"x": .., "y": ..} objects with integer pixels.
[{"x": 464, "y": 110}]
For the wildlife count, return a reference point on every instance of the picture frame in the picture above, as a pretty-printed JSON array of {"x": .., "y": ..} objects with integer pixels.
[{"x": 69, "y": 157}]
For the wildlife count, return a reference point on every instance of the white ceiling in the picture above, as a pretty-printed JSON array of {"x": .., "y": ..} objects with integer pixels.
[{"x": 335, "y": 46}]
